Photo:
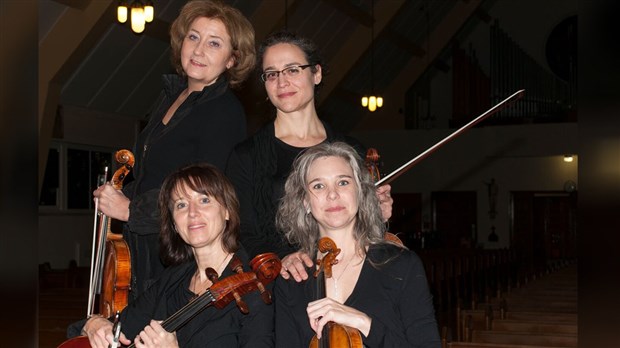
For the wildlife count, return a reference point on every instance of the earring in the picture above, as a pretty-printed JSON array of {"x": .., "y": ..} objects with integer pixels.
[{"x": 308, "y": 211}]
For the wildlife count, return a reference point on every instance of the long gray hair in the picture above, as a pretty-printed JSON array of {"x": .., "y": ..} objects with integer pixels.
[{"x": 301, "y": 228}]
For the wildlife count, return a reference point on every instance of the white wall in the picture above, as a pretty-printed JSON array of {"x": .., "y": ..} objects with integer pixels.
[{"x": 526, "y": 157}]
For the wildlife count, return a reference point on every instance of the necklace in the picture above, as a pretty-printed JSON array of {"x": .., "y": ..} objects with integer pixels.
[
  {"x": 336, "y": 279},
  {"x": 197, "y": 277}
]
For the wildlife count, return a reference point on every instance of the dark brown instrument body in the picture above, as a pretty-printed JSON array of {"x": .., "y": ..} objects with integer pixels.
[
  {"x": 116, "y": 277},
  {"x": 334, "y": 335},
  {"x": 116, "y": 282}
]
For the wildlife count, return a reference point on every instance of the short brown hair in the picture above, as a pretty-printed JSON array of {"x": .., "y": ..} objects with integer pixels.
[
  {"x": 206, "y": 179},
  {"x": 237, "y": 25}
]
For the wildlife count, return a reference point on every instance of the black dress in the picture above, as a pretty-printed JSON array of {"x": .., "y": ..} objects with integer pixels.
[
  {"x": 212, "y": 327},
  {"x": 204, "y": 128},
  {"x": 395, "y": 295},
  {"x": 258, "y": 168}
]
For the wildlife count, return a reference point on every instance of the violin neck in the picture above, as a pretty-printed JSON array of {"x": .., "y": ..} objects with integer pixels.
[
  {"x": 190, "y": 310},
  {"x": 323, "y": 342},
  {"x": 183, "y": 315}
]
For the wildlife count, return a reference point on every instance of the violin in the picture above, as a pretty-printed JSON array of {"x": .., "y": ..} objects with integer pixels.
[
  {"x": 265, "y": 268},
  {"x": 373, "y": 164},
  {"x": 333, "y": 335},
  {"x": 110, "y": 278}
]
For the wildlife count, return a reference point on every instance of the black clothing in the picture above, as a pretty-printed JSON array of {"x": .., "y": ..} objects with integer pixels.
[
  {"x": 203, "y": 129},
  {"x": 212, "y": 327},
  {"x": 259, "y": 167},
  {"x": 395, "y": 296}
]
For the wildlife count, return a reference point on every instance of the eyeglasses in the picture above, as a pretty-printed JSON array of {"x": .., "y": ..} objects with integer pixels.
[{"x": 291, "y": 71}]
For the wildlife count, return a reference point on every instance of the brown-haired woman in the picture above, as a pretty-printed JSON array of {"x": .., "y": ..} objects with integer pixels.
[
  {"x": 196, "y": 118},
  {"x": 292, "y": 71},
  {"x": 200, "y": 229}
]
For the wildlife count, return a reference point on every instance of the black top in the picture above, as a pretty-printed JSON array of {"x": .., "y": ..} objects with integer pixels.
[
  {"x": 395, "y": 295},
  {"x": 259, "y": 167},
  {"x": 212, "y": 327},
  {"x": 203, "y": 129}
]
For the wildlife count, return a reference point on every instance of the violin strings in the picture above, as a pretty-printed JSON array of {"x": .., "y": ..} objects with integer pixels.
[{"x": 188, "y": 311}]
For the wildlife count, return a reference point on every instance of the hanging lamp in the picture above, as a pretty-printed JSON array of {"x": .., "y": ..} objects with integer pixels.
[
  {"x": 372, "y": 102},
  {"x": 139, "y": 13}
]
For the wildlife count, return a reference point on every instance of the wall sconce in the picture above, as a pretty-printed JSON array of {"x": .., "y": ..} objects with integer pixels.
[
  {"x": 568, "y": 158},
  {"x": 140, "y": 14}
]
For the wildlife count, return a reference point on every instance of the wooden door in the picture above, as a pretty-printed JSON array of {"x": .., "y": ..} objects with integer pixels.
[
  {"x": 544, "y": 227},
  {"x": 406, "y": 220},
  {"x": 454, "y": 217}
]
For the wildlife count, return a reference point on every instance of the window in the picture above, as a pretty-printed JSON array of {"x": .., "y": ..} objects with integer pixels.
[{"x": 71, "y": 175}]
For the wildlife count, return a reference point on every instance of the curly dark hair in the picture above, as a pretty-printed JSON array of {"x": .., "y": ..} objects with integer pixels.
[{"x": 206, "y": 179}]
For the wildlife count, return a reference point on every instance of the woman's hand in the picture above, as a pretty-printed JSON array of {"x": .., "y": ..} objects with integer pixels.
[
  {"x": 155, "y": 336},
  {"x": 322, "y": 311},
  {"x": 99, "y": 332},
  {"x": 294, "y": 264},
  {"x": 112, "y": 202},
  {"x": 386, "y": 201}
]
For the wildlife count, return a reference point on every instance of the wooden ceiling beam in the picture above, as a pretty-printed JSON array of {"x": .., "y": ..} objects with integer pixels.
[
  {"x": 357, "y": 44},
  {"x": 354, "y": 12},
  {"x": 158, "y": 29},
  {"x": 403, "y": 42},
  {"x": 263, "y": 18},
  {"x": 76, "y": 4},
  {"x": 393, "y": 96}
]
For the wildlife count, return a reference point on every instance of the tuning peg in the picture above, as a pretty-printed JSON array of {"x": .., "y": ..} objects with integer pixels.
[
  {"x": 212, "y": 275},
  {"x": 243, "y": 307},
  {"x": 264, "y": 293},
  {"x": 236, "y": 265}
]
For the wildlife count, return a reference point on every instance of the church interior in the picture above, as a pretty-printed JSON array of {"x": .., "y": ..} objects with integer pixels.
[{"x": 492, "y": 213}]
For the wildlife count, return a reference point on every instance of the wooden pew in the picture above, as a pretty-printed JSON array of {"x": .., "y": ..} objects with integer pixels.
[
  {"x": 524, "y": 338},
  {"x": 534, "y": 326},
  {"x": 487, "y": 345}
]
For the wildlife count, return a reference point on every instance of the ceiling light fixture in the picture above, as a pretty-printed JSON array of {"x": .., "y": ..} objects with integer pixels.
[
  {"x": 138, "y": 12},
  {"x": 373, "y": 102},
  {"x": 568, "y": 158}
]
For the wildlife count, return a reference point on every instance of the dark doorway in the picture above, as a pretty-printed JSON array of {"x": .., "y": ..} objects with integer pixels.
[
  {"x": 454, "y": 217},
  {"x": 544, "y": 227}
]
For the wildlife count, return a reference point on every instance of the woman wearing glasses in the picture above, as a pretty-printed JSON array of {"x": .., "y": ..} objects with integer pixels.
[{"x": 292, "y": 71}]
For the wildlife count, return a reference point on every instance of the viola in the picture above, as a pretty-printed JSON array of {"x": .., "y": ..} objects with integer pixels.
[
  {"x": 265, "y": 268},
  {"x": 333, "y": 335},
  {"x": 110, "y": 277}
]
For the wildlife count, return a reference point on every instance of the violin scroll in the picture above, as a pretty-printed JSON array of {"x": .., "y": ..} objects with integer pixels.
[
  {"x": 127, "y": 160},
  {"x": 372, "y": 162},
  {"x": 266, "y": 268},
  {"x": 326, "y": 245}
]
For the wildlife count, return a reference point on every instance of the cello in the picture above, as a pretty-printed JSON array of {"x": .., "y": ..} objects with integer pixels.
[
  {"x": 265, "y": 269},
  {"x": 333, "y": 335},
  {"x": 111, "y": 275}
]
